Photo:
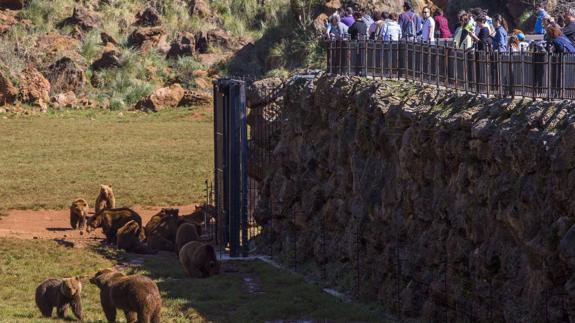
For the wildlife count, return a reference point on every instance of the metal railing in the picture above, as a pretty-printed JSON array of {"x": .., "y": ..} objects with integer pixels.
[{"x": 504, "y": 74}]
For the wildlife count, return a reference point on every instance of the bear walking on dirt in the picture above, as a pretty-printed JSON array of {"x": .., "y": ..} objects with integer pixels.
[
  {"x": 110, "y": 220},
  {"x": 60, "y": 293},
  {"x": 138, "y": 296},
  {"x": 161, "y": 230},
  {"x": 130, "y": 237},
  {"x": 186, "y": 232},
  {"x": 105, "y": 199},
  {"x": 199, "y": 259},
  {"x": 78, "y": 213}
]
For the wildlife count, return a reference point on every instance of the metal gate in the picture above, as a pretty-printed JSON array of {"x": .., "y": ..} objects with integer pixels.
[{"x": 230, "y": 157}]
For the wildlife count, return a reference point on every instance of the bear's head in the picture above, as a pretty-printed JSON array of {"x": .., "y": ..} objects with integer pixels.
[
  {"x": 103, "y": 276},
  {"x": 106, "y": 190},
  {"x": 93, "y": 222},
  {"x": 213, "y": 267},
  {"x": 71, "y": 286},
  {"x": 81, "y": 207}
]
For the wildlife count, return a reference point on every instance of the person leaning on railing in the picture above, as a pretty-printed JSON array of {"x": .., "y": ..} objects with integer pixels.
[
  {"x": 559, "y": 42},
  {"x": 463, "y": 37}
]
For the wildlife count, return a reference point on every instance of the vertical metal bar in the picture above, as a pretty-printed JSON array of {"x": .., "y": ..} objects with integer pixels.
[
  {"x": 563, "y": 80},
  {"x": 365, "y": 56},
  {"x": 465, "y": 78},
  {"x": 455, "y": 68},
  {"x": 446, "y": 65},
  {"x": 549, "y": 76},
  {"x": 522, "y": 72},
  {"x": 488, "y": 56},
  {"x": 511, "y": 76},
  {"x": 436, "y": 66}
]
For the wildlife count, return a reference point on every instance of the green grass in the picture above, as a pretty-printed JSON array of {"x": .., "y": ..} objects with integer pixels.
[
  {"x": 25, "y": 264},
  {"x": 149, "y": 159},
  {"x": 224, "y": 298}
]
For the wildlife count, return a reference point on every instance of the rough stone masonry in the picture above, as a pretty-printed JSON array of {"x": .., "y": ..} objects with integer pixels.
[{"x": 436, "y": 205}]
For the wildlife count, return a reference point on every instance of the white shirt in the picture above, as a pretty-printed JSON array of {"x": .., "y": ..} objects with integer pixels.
[
  {"x": 427, "y": 35},
  {"x": 392, "y": 31}
]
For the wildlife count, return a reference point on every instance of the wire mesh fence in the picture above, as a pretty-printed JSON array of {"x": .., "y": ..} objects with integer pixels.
[{"x": 505, "y": 74}]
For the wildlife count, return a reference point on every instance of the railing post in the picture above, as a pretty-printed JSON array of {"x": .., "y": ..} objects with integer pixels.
[
  {"x": 465, "y": 72},
  {"x": 413, "y": 60},
  {"x": 562, "y": 93},
  {"x": 421, "y": 54},
  {"x": 366, "y": 69},
  {"x": 522, "y": 72},
  {"x": 446, "y": 65},
  {"x": 549, "y": 76},
  {"x": 511, "y": 76},
  {"x": 488, "y": 55},
  {"x": 437, "y": 65}
]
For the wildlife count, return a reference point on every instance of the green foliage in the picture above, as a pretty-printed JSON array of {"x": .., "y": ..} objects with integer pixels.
[
  {"x": 185, "y": 67},
  {"x": 90, "y": 46}
]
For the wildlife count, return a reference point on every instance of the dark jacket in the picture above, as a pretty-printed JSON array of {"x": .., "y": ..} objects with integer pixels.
[{"x": 357, "y": 30}]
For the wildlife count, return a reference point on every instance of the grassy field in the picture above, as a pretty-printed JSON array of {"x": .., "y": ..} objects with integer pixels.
[
  {"x": 244, "y": 292},
  {"x": 149, "y": 159}
]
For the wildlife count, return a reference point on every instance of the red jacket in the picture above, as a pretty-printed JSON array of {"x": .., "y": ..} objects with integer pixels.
[{"x": 443, "y": 27}]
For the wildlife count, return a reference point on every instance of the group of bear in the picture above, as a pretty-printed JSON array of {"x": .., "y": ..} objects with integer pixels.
[{"x": 138, "y": 296}]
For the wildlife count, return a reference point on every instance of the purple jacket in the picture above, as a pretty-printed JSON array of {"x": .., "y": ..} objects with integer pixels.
[{"x": 348, "y": 20}]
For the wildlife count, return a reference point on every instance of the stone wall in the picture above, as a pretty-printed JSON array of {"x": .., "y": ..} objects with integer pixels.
[{"x": 434, "y": 204}]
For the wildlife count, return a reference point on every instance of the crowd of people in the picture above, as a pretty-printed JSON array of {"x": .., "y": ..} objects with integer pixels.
[{"x": 475, "y": 30}]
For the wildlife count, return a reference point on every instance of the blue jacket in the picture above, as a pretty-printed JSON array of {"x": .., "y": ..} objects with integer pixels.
[
  {"x": 500, "y": 39},
  {"x": 539, "y": 23},
  {"x": 562, "y": 44}
]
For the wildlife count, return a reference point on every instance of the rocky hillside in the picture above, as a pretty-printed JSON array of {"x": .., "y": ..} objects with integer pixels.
[
  {"x": 436, "y": 205},
  {"x": 121, "y": 54}
]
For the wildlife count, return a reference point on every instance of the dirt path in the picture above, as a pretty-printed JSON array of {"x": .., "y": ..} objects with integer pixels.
[{"x": 55, "y": 225}]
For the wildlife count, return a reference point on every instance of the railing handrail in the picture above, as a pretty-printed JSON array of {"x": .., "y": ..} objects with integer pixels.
[{"x": 493, "y": 73}]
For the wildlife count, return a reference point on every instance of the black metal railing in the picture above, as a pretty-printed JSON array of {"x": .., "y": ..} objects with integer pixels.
[{"x": 504, "y": 74}]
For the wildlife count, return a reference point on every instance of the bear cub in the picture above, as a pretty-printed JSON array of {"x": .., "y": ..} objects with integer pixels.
[
  {"x": 199, "y": 259},
  {"x": 105, "y": 199},
  {"x": 60, "y": 293},
  {"x": 78, "y": 213}
]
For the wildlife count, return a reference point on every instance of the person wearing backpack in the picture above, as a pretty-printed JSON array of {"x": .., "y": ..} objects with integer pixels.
[
  {"x": 375, "y": 30},
  {"x": 410, "y": 22}
]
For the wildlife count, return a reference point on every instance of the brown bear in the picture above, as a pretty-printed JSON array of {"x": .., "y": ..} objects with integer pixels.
[
  {"x": 186, "y": 232},
  {"x": 105, "y": 199},
  {"x": 161, "y": 230},
  {"x": 60, "y": 293},
  {"x": 130, "y": 237},
  {"x": 138, "y": 296},
  {"x": 110, "y": 220},
  {"x": 78, "y": 214},
  {"x": 199, "y": 259}
]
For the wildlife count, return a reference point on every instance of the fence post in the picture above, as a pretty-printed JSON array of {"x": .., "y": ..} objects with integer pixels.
[
  {"x": 366, "y": 69},
  {"x": 437, "y": 66},
  {"x": 348, "y": 58},
  {"x": 446, "y": 65},
  {"x": 562, "y": 92},
  {"x": 522, "y": 72},
  {"x": 488, "y": 55},
  {"x": 511, "y": 76},
  {"x": 465, "y": 71},
  {"x": 549, "y": 76}
]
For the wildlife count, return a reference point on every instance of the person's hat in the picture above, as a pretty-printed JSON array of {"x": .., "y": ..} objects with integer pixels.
[{"x": 521, "y": 37}]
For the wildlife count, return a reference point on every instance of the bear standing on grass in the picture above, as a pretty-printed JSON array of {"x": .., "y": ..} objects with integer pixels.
[
  {"x": 199, "y": 259},
  {"x": 78, "y": 214},
  {"x": 105, "y": 199},
  {"x": 136, "y": 295},
  {"x": 60, "y": 293}
]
